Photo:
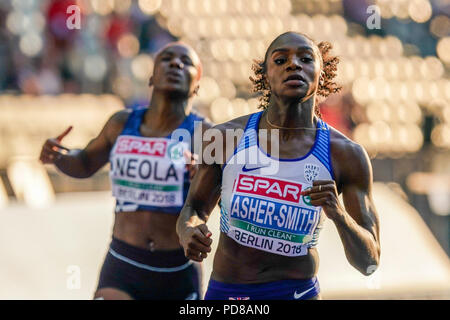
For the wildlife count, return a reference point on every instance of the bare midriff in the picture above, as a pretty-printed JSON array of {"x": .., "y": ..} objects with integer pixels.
[{"x": 147, "y": 230}]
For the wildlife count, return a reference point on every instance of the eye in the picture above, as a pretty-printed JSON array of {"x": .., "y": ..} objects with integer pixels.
[
  {"x": 279, "y": 61},
  {"x": 307, "y": 59},
  {"x": 187, "y": 61}
]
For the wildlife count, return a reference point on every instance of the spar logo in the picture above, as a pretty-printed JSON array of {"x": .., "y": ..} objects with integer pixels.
[
  {"x": 143, "y": 146},
  {"x": 267, "y": 187}
]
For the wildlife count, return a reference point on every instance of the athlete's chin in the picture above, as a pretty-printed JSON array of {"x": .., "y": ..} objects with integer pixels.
[
  {"x": 176, "y": 91},
  {"x": 295, "y": 94},
  {"x": 295, "y": 91}
]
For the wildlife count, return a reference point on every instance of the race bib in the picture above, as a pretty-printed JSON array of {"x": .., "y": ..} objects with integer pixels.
[
  {"x": 271, "y": 215},
  {"x": 148, "y": 171}
]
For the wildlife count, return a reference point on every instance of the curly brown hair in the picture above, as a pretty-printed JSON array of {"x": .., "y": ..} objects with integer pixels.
[{"x": 327, "y": 85}]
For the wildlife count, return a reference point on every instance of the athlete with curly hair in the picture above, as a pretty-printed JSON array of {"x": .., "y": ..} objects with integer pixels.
[{"x": 270, "y": 219}]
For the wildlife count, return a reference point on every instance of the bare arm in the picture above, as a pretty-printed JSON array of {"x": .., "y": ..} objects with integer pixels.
[
  {"x": 202, "y": 197},
  {"x": 191, "y": 226},
  {"x": 205, "y": 189},
  {"x": 357, "y": 222},
  {"x": 83, "y": 163},
  {"x": 359, "y": 229}
]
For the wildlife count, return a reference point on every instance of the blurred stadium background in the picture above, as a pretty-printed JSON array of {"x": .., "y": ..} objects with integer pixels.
[{"x": 395, "y": 101}]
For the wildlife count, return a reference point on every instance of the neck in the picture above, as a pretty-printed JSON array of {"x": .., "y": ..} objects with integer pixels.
[
  {"x": 292, "y": 114},
  {"x": 165, "y": 110}
]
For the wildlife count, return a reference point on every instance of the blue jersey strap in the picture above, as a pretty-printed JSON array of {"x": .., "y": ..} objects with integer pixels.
[
  {"x": 133, "y": 122},
  {"x": 136, "y": 116},
  {"x": 250, "y": 137},
  {"x": 322, "y": 147}
]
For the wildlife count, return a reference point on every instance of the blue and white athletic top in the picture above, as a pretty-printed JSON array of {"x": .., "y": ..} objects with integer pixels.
[
  {"x": 149, "y": 173},
  {"x": 261, "y": 205}
]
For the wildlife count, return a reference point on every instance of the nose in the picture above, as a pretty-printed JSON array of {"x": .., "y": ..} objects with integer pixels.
[
  {"x": 294, "y": 64},
  {"x": 176, "y": 63}
]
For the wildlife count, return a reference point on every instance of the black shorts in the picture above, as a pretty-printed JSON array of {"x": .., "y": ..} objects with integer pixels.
[{"x": 150, "y": 275}]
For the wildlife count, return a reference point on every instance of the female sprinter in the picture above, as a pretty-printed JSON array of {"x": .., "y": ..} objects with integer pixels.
[
  {"x": 150, "y": 179},
  {"x": 272, "y": 209}
]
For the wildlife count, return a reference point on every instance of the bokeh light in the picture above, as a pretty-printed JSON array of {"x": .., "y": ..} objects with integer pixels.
[
  {"x": 122, "y": 6},
  {"x": 102, "y": 7},
  {"x": 443, "y": 49},
  {"x": 149, "y": 6},
  {"x": 440, "y": 26},
  {"x": 123, "y": 86},
  {"x": 128, "y": 45},
  {"x": 440, "y": 136},
  {"x": 95, "y": 67},
  {"x": 142, "y": 67},
  {"x": 221, "y": 110},
  {"x": 209, "y": 89},
  {"x": 378, "y": 111},
  {"x": 420, "y": 10},
  {"x": 227, "y": 88},
  {"x": 16, "y": 22},
  {"x": 31, "y": 43}
]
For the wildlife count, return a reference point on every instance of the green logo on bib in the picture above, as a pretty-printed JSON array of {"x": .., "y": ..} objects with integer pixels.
[
  {"x": 307, "y": 199},
  {"x": 176, "y": 151}
]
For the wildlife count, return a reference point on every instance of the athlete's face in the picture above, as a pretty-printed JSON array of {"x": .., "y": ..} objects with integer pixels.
[
  {"x": 177, "y": 70},
  {"x": 293, "y": 67}
]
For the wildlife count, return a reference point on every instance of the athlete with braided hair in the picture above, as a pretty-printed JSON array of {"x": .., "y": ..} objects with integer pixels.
[{"x": 270, "y": 219}]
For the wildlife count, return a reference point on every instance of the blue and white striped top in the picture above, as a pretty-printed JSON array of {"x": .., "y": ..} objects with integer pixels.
[{"x": 261, "y": 204}]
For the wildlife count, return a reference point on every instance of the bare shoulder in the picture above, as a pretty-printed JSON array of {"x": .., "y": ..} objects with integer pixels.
[
  {"x": 206, "y": 122},
  {"x": 343, "y": 145},
  {"x": 115, "y": 125},
  {"x": 120, "y": 117},
  {"x": 232, "y": 131},
  {"x": 349, "y": 159},
  {"x": 225, "y": 137},
  {"x": 236, "y": 123}
]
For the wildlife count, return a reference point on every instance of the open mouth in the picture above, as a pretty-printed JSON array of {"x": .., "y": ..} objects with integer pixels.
[
  {"x": 294, "y": 79},
  {"x": 172, "y": 75}
]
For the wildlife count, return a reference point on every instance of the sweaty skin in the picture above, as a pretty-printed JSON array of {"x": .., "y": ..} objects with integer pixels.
[{"x": 291, "y": 106}]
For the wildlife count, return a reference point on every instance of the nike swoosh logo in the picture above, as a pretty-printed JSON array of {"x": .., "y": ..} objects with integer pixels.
[
  {"x": 301, "y": 294},
  {"x": 251, "y": 169}
]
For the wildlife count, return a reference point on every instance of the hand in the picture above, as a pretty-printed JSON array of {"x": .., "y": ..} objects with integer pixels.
[
  {"x": 324, "y": 194},
  {"x": 196, "y": 241},
  {"x": 191, "y": 163},
  {"x": 52, "y": 149}
]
